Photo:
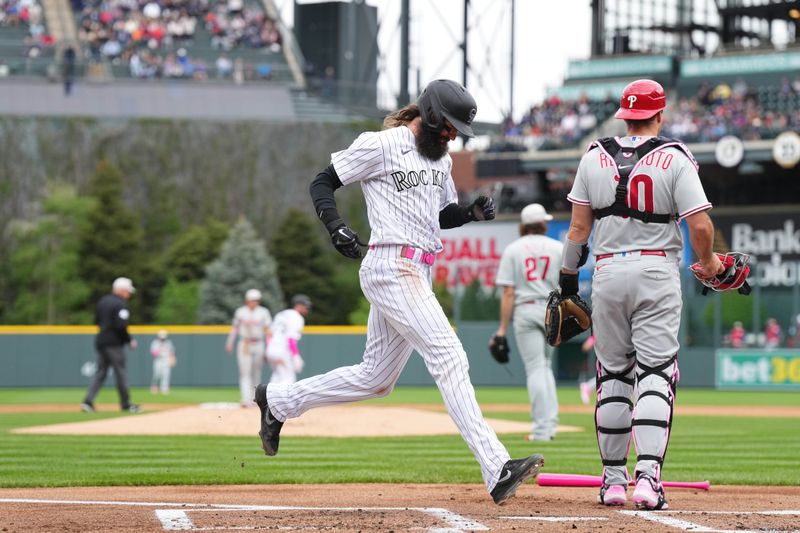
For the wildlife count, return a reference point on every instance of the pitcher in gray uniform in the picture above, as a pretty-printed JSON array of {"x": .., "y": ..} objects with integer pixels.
[
  {"x": 638, "y": 188},
  {"x": 528, "y": 271}
]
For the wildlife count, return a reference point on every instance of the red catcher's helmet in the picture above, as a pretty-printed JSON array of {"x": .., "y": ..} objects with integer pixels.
[{"x": 641, "y": 100}]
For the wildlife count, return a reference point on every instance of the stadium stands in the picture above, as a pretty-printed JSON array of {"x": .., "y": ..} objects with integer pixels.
[
  {"x": 25, "y": 45},
  {"x": 183, "y": 39},
  {"x": 554, "y": 124},
  {"x": 749, "y": 112}
]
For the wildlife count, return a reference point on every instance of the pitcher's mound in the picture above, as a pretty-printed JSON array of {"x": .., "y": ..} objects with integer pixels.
[{"x": 338, "y": 421}]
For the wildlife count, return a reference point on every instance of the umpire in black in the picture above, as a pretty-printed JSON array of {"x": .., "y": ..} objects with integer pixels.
[{"x": 112, "y": 316}]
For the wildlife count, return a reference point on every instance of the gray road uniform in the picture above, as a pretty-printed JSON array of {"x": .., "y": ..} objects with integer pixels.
[
  {"x": 636, "y": 297},
  {"x": 531, "y": 265}
]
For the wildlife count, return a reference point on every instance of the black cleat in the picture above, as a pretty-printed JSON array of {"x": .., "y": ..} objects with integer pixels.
[
  {"x": 515, "y": 472},
  {"x": 270, "y": 426}
]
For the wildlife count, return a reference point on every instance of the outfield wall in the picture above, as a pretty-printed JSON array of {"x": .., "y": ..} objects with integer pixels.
[{"x": 52, "y": 356}]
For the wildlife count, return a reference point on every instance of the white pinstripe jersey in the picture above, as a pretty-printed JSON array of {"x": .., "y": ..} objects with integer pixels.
[
  {"x": 664, "y": 181},
  {"x": 404, "y": 191}
]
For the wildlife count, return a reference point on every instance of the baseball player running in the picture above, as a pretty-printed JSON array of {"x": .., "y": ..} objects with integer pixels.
[
  {"x": 404, "y": 173},
  {"x": 528, "y": 272},
  {"x": 251, "y": 325},
  {"x": 637, "y": 188},
  {"x": 283, "y": 354}
]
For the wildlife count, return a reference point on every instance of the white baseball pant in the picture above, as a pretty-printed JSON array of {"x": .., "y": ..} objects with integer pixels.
[
  {"x": 637, "y": 312},
  {"x": 404, "y": 316},
  {"x": 250, "y": 356},
  {"x": 536, "y": 354}
]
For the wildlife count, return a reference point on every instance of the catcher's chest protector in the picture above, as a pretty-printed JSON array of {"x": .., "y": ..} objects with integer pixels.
[{"x": 625, "y": 159}]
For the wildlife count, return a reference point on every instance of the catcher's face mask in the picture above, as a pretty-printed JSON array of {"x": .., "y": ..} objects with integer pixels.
[{"x": 734, "y": 277}]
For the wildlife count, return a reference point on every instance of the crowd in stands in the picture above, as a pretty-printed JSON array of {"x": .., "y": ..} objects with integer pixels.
[
  {"x": 29, "y": 14},
  {"x": 713, "y": 112},
  {"x": 735, "y": 109},
  {"x": 145, "y": 64},
  {"x": 152, "y": 36},
  {"x": 553, "y": 124}
]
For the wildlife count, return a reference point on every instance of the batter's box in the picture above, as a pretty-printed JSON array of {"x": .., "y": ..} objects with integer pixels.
[
  {"x": 784, "y": 521},
  {"x": 279, "y": 517}
]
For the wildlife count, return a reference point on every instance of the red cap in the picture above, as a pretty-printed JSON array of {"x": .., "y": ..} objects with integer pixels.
[{"x": 641, "y": 100}]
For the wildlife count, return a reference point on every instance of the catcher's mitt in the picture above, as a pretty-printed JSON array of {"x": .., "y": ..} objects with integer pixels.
[
  {"x": 498, "y": 347},
  {"x": 734, "y": 277},
  {"x": 566, "y": 316}
]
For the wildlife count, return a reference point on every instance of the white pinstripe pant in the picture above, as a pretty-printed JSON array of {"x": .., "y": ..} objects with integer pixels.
[{"x": 404, "y": 316}]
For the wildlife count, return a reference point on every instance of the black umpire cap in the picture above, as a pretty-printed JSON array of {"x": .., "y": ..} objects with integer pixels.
[{"x": 301, "y": 299}]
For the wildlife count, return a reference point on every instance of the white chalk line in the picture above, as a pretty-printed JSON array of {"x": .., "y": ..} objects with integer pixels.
[
  {"x": 556, "y": 518},
  {"x": 178, "y": 520},
  {"x": 662, "y": 518}
]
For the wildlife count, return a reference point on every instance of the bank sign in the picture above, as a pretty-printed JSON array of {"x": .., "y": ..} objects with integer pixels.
[
  {"x": 758, "y": 369},
  {"x": 772, "y": 240}
]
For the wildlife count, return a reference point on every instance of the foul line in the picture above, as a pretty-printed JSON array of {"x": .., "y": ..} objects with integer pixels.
[
  {"x": 556, "y": 518},
  {"x": 177, "y": 520},
  {"x": 662, "y": 518}
]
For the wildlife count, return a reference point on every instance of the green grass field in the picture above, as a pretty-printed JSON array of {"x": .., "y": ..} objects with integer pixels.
[{"x": 725, "y": 450}]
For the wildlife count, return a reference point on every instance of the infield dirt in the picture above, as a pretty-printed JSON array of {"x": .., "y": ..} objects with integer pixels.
[{"x": 381, "y": 508}]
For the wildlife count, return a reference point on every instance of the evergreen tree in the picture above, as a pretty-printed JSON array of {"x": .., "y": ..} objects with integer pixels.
[
  {"x": 174, "y": 277},
  {"x": 477, "y": 304},
  {"x": 44, "y": 265},
  {"x": 179, "y": 302},
  {"x": 306, "y": 266},
  {"x": 193, "y": 249},
  {"x": 242, "y": 264},
  {"x": 110, "y": 243}
]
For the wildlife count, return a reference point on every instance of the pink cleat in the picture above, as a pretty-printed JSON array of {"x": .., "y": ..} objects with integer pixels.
[
  {"x": 649, "y": 494},
  {"x": 612, "y": 495}
]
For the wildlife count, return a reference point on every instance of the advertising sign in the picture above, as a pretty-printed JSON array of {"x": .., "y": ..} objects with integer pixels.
[
  {"x": 771, "y": 239},
  {"x": 473, "y": 251},
  {"x": 758, "y": 369}
]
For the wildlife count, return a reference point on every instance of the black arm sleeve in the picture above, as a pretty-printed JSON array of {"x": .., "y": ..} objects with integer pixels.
[
  {"x": 321, "y": 190},
  {"x": 453, "y": 216}
]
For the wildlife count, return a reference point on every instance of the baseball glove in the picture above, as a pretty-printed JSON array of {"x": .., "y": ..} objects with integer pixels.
[
  {"x": 566, "y": 316},
  {"x": 498, "y": 347},
  {"x": 734, "y": 277}
]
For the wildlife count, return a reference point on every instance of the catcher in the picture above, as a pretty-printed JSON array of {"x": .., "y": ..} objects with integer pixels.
[
  {"x": 633, "y": 190},
  {"x": 527, "y": 273}
]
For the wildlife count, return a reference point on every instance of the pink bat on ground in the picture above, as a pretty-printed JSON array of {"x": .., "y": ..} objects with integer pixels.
[{"x": 580, "y": 480}]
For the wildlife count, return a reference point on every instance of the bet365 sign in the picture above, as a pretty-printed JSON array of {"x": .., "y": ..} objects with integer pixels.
[{"x": 758, "y": 369}]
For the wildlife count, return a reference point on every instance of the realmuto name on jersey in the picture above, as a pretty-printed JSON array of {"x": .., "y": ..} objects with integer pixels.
[{"x": 405, "y": 180}]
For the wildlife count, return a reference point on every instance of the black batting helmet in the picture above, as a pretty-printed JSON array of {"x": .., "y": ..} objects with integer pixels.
[{"x": 446, "y": 99}]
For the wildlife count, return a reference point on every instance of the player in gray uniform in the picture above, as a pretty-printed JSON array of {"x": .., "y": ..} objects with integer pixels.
[
  {"x": 528, "y": 272},
  {"x": 404, "y": 173},
  {"x": 637, "y": 188}
]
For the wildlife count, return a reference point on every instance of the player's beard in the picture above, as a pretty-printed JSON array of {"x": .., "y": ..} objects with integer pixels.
[{"x": 430, "y": 145}]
